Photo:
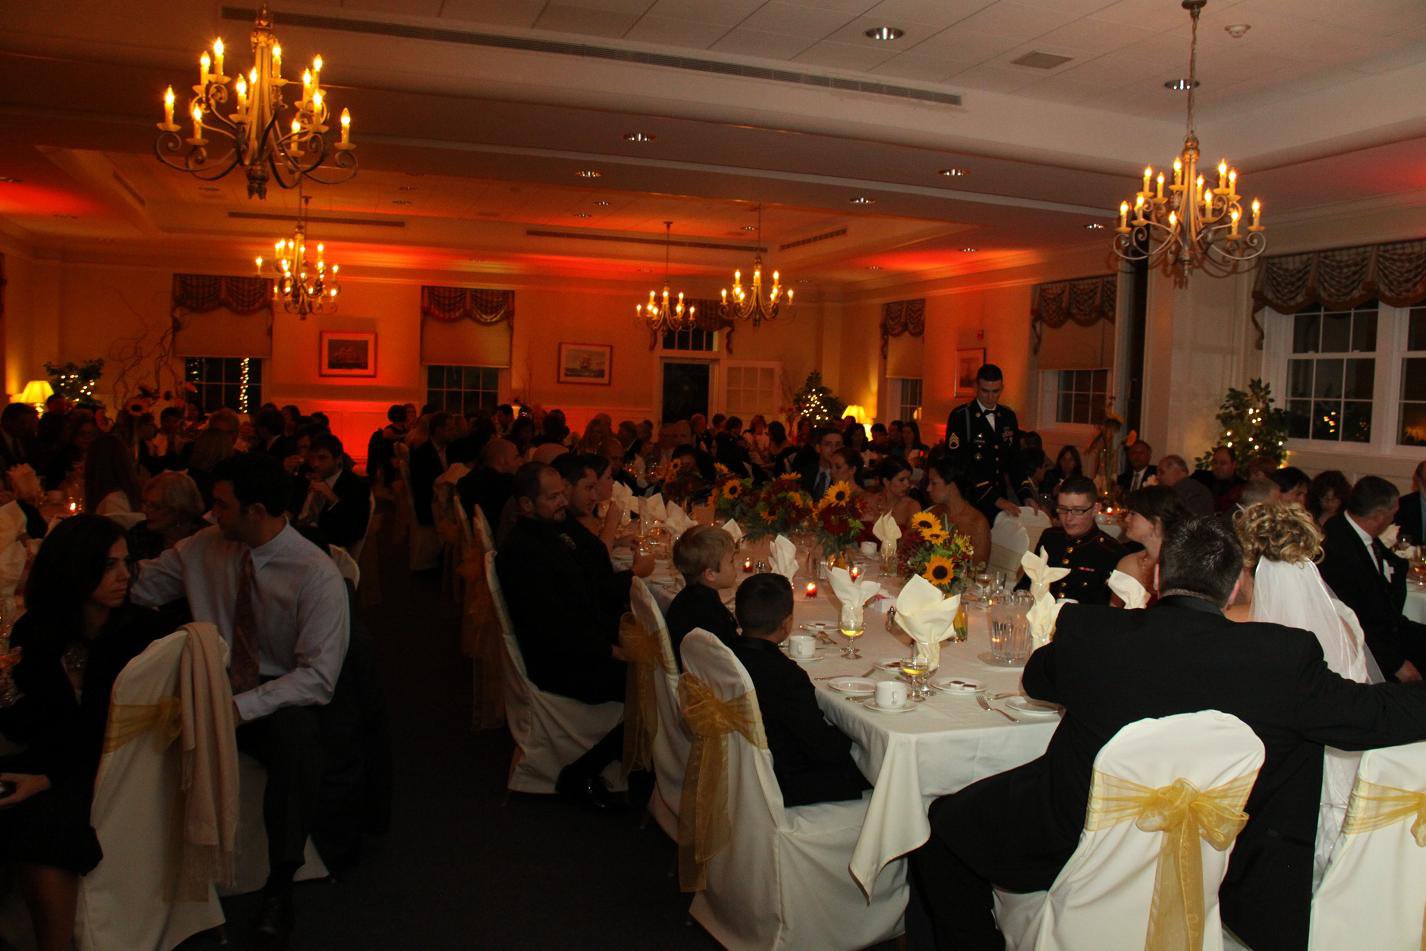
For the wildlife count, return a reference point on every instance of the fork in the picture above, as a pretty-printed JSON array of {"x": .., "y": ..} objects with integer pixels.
[{"x": 985, "y": 705}]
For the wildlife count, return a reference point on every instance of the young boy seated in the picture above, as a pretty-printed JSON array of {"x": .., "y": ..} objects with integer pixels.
[
  {"x": 704, "y": 556},
  {"x": 811, "y": 758}
]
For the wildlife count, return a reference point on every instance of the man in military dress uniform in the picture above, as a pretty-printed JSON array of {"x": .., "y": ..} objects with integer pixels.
[
  {"x": 981, "y": 437},
  {"x": 1078, "y": 544}
]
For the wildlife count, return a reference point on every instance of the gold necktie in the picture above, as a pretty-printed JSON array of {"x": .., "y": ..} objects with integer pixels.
[{"x": 244, "y": 670}]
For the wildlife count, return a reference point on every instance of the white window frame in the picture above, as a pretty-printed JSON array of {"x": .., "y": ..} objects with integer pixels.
[
  {"x": 1050, "y": 399},
  {"x": 716, "y": 350},
  {"x": 729, "y": 364},
  {"x": 502, "y": 380}
]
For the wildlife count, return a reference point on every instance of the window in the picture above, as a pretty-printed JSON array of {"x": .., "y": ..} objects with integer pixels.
[
  {"x": 704, "y": 341},
  {"x": 1331, "y": 373},
  {"x": 1411, "y": 430},
  {"x": 752, "y": 388},
  {"x": 463, "y": 389},
  {"x": 1080, "y": 396},
  {"x": 232, "y": 382},
  {"x": 905, "y": 398}
]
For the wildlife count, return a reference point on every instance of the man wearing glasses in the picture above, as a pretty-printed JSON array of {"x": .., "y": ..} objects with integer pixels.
[
  {"x": 1078, "y": 544},
  {"x": 981, "y": 437}
]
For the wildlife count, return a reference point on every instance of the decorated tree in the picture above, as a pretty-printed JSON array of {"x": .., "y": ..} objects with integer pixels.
[
  {"x": 816, "y": 403},
  {"x": 1252, "y": 427},
  {"x": 75, "y": 381}
]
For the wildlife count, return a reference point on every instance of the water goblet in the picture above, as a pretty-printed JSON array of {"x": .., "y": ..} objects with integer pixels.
[
  {"x": 851, "y": 621},
  {"x": 914, "y": 667}
]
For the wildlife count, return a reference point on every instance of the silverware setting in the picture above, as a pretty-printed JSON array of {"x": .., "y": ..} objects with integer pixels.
[{"x": 985, "y": 705}]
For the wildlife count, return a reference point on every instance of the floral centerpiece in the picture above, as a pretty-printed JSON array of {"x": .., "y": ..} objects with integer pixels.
[
  {"x": 836, "y": 520},
  {"x": 732, "y": 497},
  {"x": 684, "y": 485},
  {"x": 779, "y": 508},
  {"x": 931, "y": 549}
]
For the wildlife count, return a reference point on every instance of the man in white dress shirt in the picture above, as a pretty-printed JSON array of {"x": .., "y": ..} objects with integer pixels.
[{"x": 281, "y": 605}]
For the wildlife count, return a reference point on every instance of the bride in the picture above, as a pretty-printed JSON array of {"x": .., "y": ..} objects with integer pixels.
[{"x": 1281, "y": 545}]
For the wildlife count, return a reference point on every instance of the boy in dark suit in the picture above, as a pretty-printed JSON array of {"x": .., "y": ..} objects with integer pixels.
[
  {"x": 811, "y": 758},
  {"x": 704, "y": 556}
]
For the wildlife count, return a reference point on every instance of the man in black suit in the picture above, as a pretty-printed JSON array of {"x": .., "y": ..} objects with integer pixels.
[
  {"x": 1079, "y": 544},
  {"x": 811, "y": 758},
  {"x": 816, "y": 472},
  {"x": 488, "y": 486},
  {"x": 1140, "y": 472},
  {"x": 18, "y": 423},
  {"x": 1221, "y": 478},
  {"x": 566, "y": 641},
  {"x": 1411, "y": 514},
  {"x": 1109, "y": 668},
  {"x": 428, "y": 461},
  {"x": 337, "y": 501},
  {"x": 610, "y": 587},
  {"x": 1371, "y": 580}
]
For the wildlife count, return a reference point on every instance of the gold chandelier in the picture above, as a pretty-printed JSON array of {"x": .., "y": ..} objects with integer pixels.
[
  {"x": 749, "y": 303},
  {"x": 1197, "y": 224},
  {"x": 661, "y": 315},
  {"x": 260, "y": 141},
  {"x": 298, "y": 285}
]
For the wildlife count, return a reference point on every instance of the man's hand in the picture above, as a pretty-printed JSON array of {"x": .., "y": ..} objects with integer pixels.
[
  {"x": 292, "y": 463},
  {"x": 1408, "y": 674},
  {"x": 322, "y": 489},
  {"x": 643, "y": 564},
  {"x": 26, "y": 785},
  {"x": 1005, "y": 505}
]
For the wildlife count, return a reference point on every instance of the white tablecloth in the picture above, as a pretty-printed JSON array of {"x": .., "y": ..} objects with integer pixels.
[{"x": 1415, "y": 608}]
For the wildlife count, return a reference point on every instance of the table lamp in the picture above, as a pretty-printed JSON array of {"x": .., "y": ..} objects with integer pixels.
[{"x": 35, "y": 393}]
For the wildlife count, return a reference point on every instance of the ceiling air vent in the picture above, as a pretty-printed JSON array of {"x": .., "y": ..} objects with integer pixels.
[
  {"x": 1041, "y": 60},
  {"x": 803, "y": 242}
]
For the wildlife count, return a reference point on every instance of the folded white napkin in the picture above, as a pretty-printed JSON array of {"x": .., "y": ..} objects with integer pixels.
[
  {"x": 887, "y": 532},
  {"x": 623, "y": 499},
  {"x": 1388, "y": 537},
  {"x": 783, "y": 557},
  {"x": 25, "y": 484},
  {"x": 653, "y": 510},
  {"x": 1039, "y": 572},
  {"x": 453, "y": 474},
  {"x": 732, "y": 528},
  {"x": 1130, "y": 590},
  {"x": 12, "y": 548},
  {"x": 1041, "y": 618},
  {"x": 849, "y": 591},
  {"x": 927, "y": 615},
  {"x": 678, "y": 521}
]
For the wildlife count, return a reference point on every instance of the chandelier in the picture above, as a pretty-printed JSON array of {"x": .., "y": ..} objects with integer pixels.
[
  {"x": 260, "y": 141},
  {"x": 301, "y": 287},
  {"x": 749, "y": 303},
  {"x": 659, "y": 313},
  {"x": 1196, "y": 224}
]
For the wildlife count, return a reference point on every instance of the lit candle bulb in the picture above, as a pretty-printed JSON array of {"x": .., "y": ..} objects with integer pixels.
[
  {"x": 1236, "y": 214},
  {"x": 789, "y": 297},
  {"x": 242, "y": 89},
  {"x": 1173, "y": 221},
  {"x": 277, "y": 60},
  {"x": 1178, "y": 171},
  {"x": 296, "y": 139},
  {"x": 168, "y": 107},
  {"x": 218, "y": 56},
  {"x": 1222, "y": 173},
  {"x": 317, "y": 102},
  {"x": 1160, "y": 182},
  {"x": 1124, "y": 216},
  {"x": 1257, "y": 212},
  {"x": 197, "y": 113},
  {"x": 346, "y": 127},
  {"x": 1233, "y": 181},
  {"x": 306, "y": 84},
  {"x": 259, "y": 262},
  {"x": 724, "y": 294},
  {"x": 73, "y": 507},
  {"x": 747, "y": 566},
  {"x": 1207, "y": 202},
  {"x": 317, "y": 72},
  {"x": 1148, "y": 175},
  {"x": 811, "y": 587},
  {"x": 204, "y": 62}
]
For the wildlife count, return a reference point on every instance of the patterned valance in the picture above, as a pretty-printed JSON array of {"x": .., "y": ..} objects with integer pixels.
[
  {"x": 902, "y": 317},
  {"x": 483, "y": 305},
  {"x": 202, "y": 293},
  {"x": 705, "y": 318},
  {"x": 1084, "y": 301},
  {"x": 1393, "y": 273}
]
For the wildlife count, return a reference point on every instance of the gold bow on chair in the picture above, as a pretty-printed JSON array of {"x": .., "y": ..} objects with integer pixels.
[
  {"x": 128, "y": 720},
  {"x": 641, "y": 713},
  {"x": 703, "y": 826},
  {"x": 1184, "y": 814},
  {"x": 1375, "y": 807}
]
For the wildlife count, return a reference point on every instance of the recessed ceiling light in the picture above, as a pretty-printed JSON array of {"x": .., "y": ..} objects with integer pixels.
[
  {"x": 601, "y": 203},
  {"x": 407, "y": 188},
  {"x": 885, "y": 33},
  {"x": 639, "y": 136},
  {"x": 589, "y": 173},
  {"x": 210, "y": 189},
  {"x": 1237, "y": 30},
  {"x": 68, "y": 217},
  {"x": 953, "y": 172},
  {"x": 873, "y": 267},
  {"x": 401, "y": 201},
  {"x": 863, "y": 200},
  {"x": 1181, "y": 85},
  {"x": 10, "y": 180},
  {"x": 582, "y": 214},
  {"x": 750, "y": 227},
  {"x": 968, "y": 250},
  {"x": 1094, "y": 226}
]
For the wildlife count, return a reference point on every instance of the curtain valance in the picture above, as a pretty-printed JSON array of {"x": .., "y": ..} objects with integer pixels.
[
  {"x": 1084, "y": 302},
  {"x": 902, "y": 317},
  {"x": 483, "y": 305},
  {"x": 201, "y": 293},
  {"x": 1393, "y": 273},
  {"x": 230, "y": 325}
]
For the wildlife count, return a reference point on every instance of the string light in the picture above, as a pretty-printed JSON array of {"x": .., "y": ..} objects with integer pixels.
[{"x": 244, "y": 366}]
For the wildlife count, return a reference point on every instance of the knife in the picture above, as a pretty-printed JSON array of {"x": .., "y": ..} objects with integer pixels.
[{"x": 985, "y": 705}]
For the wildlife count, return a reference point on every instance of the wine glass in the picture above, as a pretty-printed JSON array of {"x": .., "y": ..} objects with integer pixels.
[
  {"x": 851, "y": 622},
  {"x": 915, "y": 666},
  {"x": 983, "y": 580}
]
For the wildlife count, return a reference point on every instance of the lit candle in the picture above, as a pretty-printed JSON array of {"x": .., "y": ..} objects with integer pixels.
[
  {"x": 346, "y": 127},
  {"x": 1173, "y": 221},
  {"x": 1139, "y": 209},
  {"x": 1177, "y": 171},
  {"x": 1123, "y": 216},
  {"x": 277, "y": 60},
  {"x": 811, "y": 589},
  {"x": 1148, "y": 174},
  {"x": 197, "y": 114},
  {"x": 1257, "y": 212},
  {"x": 1207, "y": 202},
  {"x": 1222, "y": 173},
  {"x": 242, "y": 88},
  {"x": 855, "y": 571},
  {"x": 317, "y": 73},
  {"x": 747, "y": 566},
  {"x": 218, "y": 56},
  {"x": 204, "y": 62},
  {"x": 1233, "y": 182},
  {"x": 306, "y": 84},
  {"x": 296, "y": 139},
  {"x": 1160, "y": 182},
  {"x": 73, "y": 507},
  {"x": 168, "y": 107},
  {"x": 1235, "y": 216}
]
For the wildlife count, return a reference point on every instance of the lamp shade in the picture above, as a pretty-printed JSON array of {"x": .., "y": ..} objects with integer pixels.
[
  {"x": 856, "y": 411},
  {"x": 35, "y": 393}
]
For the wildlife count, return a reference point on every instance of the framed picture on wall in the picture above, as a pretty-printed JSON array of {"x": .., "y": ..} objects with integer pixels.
[
  {"x": 585, "y": 363},
  {"x": 967, "y": 363},
  {"x": 346, "y": 354}
]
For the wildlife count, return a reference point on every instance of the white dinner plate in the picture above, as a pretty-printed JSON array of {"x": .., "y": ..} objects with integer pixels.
[
  {"x": 1032, "y": 707},
  {"x": 809, "y": 660},
  {"x": 987, "y": 658},
  {"x": 853, "y": 686},
  {"x": 906, "y": 707},
  {"x": 958, "y": 685}
]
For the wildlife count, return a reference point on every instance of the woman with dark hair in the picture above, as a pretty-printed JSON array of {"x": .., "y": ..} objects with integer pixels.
[
  {"x": 1327, "y": 495},
  {"x": 947, "y": 486},
  {"x": 854, "y": 437},
  {"x": 847, "y": 467},
  {"x": 1068, "y": 464},
  {"x": 780, "y": 449},
  {"x": 1150, "y": 513},
  {"x": 895, "y": 495},
  {"x": 79, "y": 434},
  {"x": 111, "y": 486},
  {"x": 76, "y": 636},
  {"x": 907, "y": 441}
]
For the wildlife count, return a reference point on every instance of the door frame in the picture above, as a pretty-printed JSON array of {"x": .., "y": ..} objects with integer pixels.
[{"x": 715, "y": 378}]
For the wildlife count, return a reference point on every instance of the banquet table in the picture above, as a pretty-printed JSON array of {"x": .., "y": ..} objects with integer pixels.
[
  {"x": 1415, "y": 608},
  {"x": 942, "y": 745}
]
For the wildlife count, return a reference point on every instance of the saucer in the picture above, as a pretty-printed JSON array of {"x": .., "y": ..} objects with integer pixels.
[
  {"x": 906, "y": 707},
  {"x": 853, "y": 686},
  {"x": 1034, "y": 708}
]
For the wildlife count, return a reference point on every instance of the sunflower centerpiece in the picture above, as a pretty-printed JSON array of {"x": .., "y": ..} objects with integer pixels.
[
  {"x": 931, "y": 549},
  {"x": 732, "y": 497},
  {"x": 836, "y": 521},
  {"x": 779, "y": 508}
]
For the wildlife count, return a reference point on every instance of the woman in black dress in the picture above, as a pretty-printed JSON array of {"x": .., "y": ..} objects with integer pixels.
[{"x": 78, "y": 632}]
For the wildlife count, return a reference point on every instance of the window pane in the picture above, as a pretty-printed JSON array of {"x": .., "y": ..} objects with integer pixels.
[
  {"x": 1413, "y": 424},
  {"x": 1328, "y": 381},
  {"x": 1364, "y": 331},
  {"x": 1361, "y": 375},
  {"x": 1416, "y": 329},
  {"x": 1413, "y": 378},
  {"x": 1081, "y": 407},
  {"x": 1326, "y": 417},
  {"x": 1336, "y": 333},
  {"x": 1299, "y": 378},
  {"x": 435, "y": 377},
  {"x": 1066, "y": 413},
  {"x": 1305, "y": 331},
  {"x": 1356, "y": 421},
  {"x": 1299, "y": 413}
]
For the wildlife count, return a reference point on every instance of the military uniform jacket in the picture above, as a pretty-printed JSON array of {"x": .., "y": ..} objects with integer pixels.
[
  {"x": 1090, "y": 559},
  {"x": 984, "y": 451}
]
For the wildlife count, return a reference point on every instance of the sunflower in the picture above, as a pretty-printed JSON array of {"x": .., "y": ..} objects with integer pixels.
[
  {"x": 733, "y": 489},
  {"x": 925, "y": 522},
  {"x": 936, "y": 536},
  {"x": 719, "y": 468},
  {"x": 939, "y": 571},
  {"x": 839, "y": 493}
]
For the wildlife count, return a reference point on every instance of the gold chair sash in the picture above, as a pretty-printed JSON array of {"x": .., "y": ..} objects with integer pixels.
[
  {"x": 1374, "y": 806},
  {"x": 128, "y": 720},
  {"x": 1184, "y": 814},
  {"x": 703, "y": 825},
  {"x": 641, "y": 713}
]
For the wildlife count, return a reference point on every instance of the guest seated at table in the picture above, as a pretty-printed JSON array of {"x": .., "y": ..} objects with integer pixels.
[
  {"x": 1292, "y": 484},
  {"x": 816, "y": 469},
  {"x": 1371, "y": 580},
  {"x": 811, "y": 758},
  {"x": 1068, "y": 465},
  {"x": 704, "y": 555},
  {"x": 1109, "y": 668},
  {"x": 1256, "y": 492},
  {"x": 77, "y": 634},
  {"x": 1411, "y": 513},
  {"x": 171, "y": 442},
  {"x": 489, "y": 485},
  {"x": 65, "y": 463},
  {"x": 567, "y": 637},
  {"x": 895, "y": 495},
  {"x": 271, "y": 436},
  {"x": 1141, "y": 471},
  {"x": 1030, "y": 467},
  {"x": 1327, "y": 495},
  {"x": 909, "y": 447},
  {"x": 173, "y": 510},
  {"x": 587, "y": 484},
  {"x": 1221, "y": 478},
  {"x": 1173, "y": 474},
  {"x": 729, "y": 449},
  {"x": 847, "y": 467},
  {"x": 428, "y": 461},
  {"x": 208, "y": 450},
  {"x": 111, "y": 486},
  {"x": 336, "y": 500},
  {"x": 18, "y": 423},
  {"x": 1150, "y": 513},
  {"x": 1078, "y": 544},
  {"x": 947, "y": 485}
]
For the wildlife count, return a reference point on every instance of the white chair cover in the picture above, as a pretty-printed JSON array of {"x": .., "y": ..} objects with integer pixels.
[
  {"x": 482, "y": 529},
  {"x": 1102, "y": 896},
  {"x": 346, "y": 564},
  {"x": 425, "y": 543},
  {"x": 550, "y": 731},
  {"x": 783, "y": 880},
  {"x": 1035, "y": 524},
  {"x": 1008, "y": 543},
  {"x": 355, "y": 548},
  {"x": 670, "y": 751},
  {"x": 1375, "y": 888},
  {"x": 124, "y": 903}
]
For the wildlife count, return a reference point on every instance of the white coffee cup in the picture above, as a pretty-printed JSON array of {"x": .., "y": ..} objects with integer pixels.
[
  {"x": 869, "y": 549},
  {"x": 891, "y": 694},
  {"x": 802, "y": 645}
]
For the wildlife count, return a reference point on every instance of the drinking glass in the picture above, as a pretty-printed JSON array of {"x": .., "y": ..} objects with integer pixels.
[
  {"x": 982, "y": 579},
  {"x": 851, "y": 622},
  {"x": 914, "y": 667}
]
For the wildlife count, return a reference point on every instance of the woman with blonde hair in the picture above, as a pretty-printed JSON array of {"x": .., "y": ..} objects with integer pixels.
[{"x": 173, "y": 509}]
